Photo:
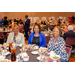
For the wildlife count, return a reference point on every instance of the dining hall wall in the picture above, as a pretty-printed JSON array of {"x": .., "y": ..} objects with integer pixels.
[{"x": 21, "y": 15}]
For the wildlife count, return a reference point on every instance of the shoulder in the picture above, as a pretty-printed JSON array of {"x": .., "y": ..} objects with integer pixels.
[
  {"x": 21, "y": 34},
  {"x": 61, "y": 39},
  {"x": 41, "y": 34},
  {"x": 12, "y": 33},
  {"x": 31, "y": 34}
]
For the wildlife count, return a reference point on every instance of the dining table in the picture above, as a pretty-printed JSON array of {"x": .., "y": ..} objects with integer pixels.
[{"x": 32, "y": 58}]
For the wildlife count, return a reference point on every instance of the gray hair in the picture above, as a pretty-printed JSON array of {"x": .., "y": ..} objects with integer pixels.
[{"x": 70, "y": 27}]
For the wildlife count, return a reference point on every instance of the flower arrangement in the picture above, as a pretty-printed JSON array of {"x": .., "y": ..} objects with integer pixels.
[{"x": 72, "y": 20}]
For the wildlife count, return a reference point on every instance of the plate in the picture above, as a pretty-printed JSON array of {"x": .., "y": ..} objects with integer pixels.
[
  {"x": 4, "y": 60},
  {"x": 56, "y": 57},
  {"x": 38, "y": 58},
  {"x": 35, "y": 52},
  {"x": 2, "y": 57}
]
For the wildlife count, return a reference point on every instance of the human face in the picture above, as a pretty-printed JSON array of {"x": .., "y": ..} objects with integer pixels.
[
  {"x": 56, "y": 32},
  {"x": 15, "y": 30},
  {"x": 36, "y": 29}
]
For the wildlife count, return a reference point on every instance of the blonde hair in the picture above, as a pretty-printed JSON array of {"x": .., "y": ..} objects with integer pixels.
[{"x": 15, "y": 26}]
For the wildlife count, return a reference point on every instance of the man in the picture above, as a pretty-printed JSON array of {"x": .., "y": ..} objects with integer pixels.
[
  {"x": 48, "y": 27},
  {"x": 27, "y": 26},
  {"x": 70, "y": 32},
  {"x": 5, "y": 22}
]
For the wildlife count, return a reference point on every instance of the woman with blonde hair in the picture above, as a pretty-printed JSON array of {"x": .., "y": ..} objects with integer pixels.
[{"x": 16, "y": 37}]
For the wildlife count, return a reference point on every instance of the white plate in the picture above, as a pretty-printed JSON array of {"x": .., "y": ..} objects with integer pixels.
[
  {"x": 7, "y": 53},
  {"x": 35, "y": 52},
  {"x": 4, "y": 60},
  {"x": 38, "y": 58},
  {"x": 2, "y": 57}
]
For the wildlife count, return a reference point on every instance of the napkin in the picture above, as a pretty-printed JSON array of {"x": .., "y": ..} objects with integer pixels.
[{"x": 49, "y": 59}]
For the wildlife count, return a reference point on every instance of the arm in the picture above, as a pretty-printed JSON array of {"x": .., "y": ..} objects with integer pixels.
[
  {"x": 23, "y": 40},
  {"x": 29, "y": 40},
  {"x": 8, "y": 39},
  {"x": 62, "y": 52},
  {"x": 44, "y": 41}
]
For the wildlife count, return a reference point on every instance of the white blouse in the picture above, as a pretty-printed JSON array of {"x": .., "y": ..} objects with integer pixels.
[{"x": 19, "y": 38}]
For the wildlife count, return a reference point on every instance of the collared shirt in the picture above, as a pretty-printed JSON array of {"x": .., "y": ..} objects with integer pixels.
[
  {"x": 58, "y": 47},
  {"x": 19, "y": 38}
]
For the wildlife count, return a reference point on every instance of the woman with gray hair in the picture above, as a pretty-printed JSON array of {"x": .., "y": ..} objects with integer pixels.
[{"x": 70, "y": 32}]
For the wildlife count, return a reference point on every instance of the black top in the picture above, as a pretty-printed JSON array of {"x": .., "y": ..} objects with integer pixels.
[
  {"x": 5, "y": 23},
  {"x": 35, "y": 40},
  {"x": 69, "y": 34}
]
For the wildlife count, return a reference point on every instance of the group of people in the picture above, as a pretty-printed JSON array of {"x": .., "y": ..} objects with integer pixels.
[{"x": 56, "y": 44}]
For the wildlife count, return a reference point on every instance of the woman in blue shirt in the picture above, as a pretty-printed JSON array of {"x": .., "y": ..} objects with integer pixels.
[{"x": 37, "y": 37}]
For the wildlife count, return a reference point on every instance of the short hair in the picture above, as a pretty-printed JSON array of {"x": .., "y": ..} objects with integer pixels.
[
  {"x": 58, "y": 29},
  {"x": 38, "y": 27},
  {"x": 70, "y": 27},
  {"x": 5, "y": 17},
  {"x": 15, "y": 26},
  {"x": 26, "y": 16}
]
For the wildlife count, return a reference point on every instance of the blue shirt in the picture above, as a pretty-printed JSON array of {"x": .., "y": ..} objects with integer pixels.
[
  {"x": 1, "y": 21},
  {"x": 42, "y": 39}
]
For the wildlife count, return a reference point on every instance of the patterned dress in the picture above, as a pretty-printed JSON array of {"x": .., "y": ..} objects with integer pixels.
[{"x": 59, "y": 48}]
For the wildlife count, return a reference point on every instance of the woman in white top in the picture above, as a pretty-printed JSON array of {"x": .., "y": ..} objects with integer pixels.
[{"x": 16, "y": 37}]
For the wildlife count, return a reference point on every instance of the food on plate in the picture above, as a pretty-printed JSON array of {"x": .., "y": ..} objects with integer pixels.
[
  {"x": 26, "y": 57},
  {"x": 55, "y": 57}
]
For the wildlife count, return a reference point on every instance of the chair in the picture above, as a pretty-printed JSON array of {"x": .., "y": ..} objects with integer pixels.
[
  {"x": 71, "y": 42},
  {"x": 68, "y": 50}
]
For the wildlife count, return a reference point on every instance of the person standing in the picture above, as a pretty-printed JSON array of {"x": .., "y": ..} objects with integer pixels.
[{"x": 27, "y": 25}]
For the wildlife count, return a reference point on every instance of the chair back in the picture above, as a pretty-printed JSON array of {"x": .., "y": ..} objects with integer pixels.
[
  {"x": 47, "y": 40},
  {"x": 68, "y": 50},
  {"x": 70, "y": 41}
]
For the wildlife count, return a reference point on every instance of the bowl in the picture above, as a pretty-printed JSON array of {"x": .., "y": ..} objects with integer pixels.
[
  {"x": 56, "y": 57},
  {"x": 26, "y": 58}
]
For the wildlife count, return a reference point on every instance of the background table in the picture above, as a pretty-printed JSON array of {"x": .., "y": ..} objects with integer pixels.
[{"x": 32, "y": 58}]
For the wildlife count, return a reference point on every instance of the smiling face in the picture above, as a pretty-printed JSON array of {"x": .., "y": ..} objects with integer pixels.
[
  {"x": 15, "y": 30},
  {"x": 56, "y": 32},
  {"x": 36, "y": 29}
]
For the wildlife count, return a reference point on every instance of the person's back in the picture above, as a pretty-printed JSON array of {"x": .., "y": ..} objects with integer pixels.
[{"x": 70, "y": 33}]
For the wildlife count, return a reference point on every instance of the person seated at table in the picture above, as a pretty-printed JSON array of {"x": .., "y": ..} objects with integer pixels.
[
  {"x": 57, "y": 44},
  {"x": 58, "y": 22},
  {"x": 1, "y": 20},
  {"x": 21, "y": 27},
  {"x": 70, "y": 33},
  {"x": 10, "y": 25},
  {"x": 43, "y": 22},
  {"x": 37, "y": 37},
  {"x": 48, "y": 27},
  {"x": 15, "y": 36},
  {"x": 5, "y": 22}
]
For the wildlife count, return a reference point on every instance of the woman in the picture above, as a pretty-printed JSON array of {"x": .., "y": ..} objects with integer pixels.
[
  {"x": 37, "y": 37},
  {"x": 57, "y": 44},
  {"x": 15, "y": 36}
]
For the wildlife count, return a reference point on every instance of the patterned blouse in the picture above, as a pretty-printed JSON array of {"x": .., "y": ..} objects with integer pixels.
[{"x": 58, "y": 47}]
